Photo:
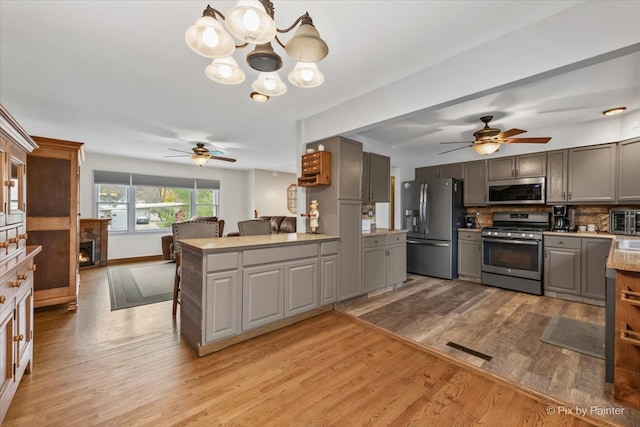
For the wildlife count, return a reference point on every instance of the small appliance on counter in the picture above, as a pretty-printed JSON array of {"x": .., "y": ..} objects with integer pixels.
[
  {"x": 560, "y": 220},
  {"x": 625, "y": 222},
  {"x": 470, "y": 221}
]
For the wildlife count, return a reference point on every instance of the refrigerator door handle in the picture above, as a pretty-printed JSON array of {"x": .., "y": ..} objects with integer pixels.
[
  {"x": 438, "y": 244},
  {"x": 422, "y": 212},
  {"x": 426, "y": 208}
]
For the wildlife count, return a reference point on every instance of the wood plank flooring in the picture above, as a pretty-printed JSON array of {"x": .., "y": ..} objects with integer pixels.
[
  {"x": 503, "y": 324},
  {"x": 129, "y": 367}
]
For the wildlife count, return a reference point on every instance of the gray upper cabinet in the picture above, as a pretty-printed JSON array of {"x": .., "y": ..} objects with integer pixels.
[
  {"x": 524, "y": 166},
  {"x": 557, "y": 176},
  {"x": 453, "y": 170},
  {"x": 475, "y": 183},
  {"x": 376, "y": 178},
  {"x": 592, "y": 174},
  {"x": 628, "y": 171}
]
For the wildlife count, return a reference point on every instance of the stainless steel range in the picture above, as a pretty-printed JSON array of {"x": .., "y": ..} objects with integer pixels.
[{"x": 512, "y": 251}]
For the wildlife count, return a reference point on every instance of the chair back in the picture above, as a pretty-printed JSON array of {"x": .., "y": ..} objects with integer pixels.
[
  {"x": 254, "y": 227},
  {"x": 193, "y": 230}
]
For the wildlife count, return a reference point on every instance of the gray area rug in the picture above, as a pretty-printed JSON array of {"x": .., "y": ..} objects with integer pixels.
[
  {"x": 583, "y": 337},
  {"x": 140, "y": 284}
]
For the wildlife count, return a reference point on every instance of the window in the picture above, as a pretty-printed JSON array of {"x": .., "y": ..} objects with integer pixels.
[{"x": 158, "y": 201}]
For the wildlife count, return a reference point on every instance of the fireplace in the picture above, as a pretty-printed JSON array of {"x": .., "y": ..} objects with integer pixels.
[{"x": 87, "y": 253}]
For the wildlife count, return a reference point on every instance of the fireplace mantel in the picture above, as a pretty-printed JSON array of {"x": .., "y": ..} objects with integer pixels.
[{"x": 96, "y": 229}]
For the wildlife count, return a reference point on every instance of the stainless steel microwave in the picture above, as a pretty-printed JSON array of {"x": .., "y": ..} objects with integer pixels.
[
  {"x": 625, "y": 222},
  {"x": 521, "y": 191}
]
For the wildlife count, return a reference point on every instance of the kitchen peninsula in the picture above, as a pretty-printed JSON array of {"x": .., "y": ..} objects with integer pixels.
[{"x": 236, "y": 288}]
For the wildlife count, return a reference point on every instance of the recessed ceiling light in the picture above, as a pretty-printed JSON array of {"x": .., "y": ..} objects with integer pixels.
[
  {"x": 614, "y": 111},
  {"x": 259, "y": 97}
]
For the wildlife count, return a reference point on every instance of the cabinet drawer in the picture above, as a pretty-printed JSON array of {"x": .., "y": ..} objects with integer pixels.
[
  {"x": 563, "y": 242},
  {"x": 279, "y": 254},
  {"x": 473, "y": 236},
  {"x": 393, "y": 239},
  {"x": 374, "y": 241},
  {"x": 328, "y": 248},
  {"x": 219, "y": 262}
]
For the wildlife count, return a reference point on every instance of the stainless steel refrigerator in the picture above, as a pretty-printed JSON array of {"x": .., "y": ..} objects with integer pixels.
[{"x": 433, "y": 212}]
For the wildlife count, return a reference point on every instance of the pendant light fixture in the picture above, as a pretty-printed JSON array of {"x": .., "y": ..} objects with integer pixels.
[{"x": 252, "y": 23}]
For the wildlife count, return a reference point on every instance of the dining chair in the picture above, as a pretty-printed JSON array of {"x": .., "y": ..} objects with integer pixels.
[
  {"x": 254, "y": 227},
  {"x": 188, "y": 230}
]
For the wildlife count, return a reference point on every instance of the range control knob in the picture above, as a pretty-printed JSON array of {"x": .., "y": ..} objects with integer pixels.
[
  {"x": 508, "y": 234},
  {"x": 524, "y": 234},
  {"x": 530, "y": 235}
]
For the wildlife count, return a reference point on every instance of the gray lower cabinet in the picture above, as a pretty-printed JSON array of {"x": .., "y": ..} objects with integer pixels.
[
  {"x": 349, "y": 265},
  {"x": 384, "y": 260},
  {"x": 222, "y": 306},
  {"x": 475, "y": 183},
  {"x": 301, "y": 286},
  {"x": 469, "y": 255},
  {"x": 576, "y": 266},
  {"x": 328, "y": 272},
  {"x": 262, "y": 295},
  {"x": 374, "y": 262}
]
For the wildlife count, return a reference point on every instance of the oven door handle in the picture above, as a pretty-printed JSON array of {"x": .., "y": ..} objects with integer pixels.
[
  {"x": 416, "y": 242},
  {"x": 515, "y": 242}
]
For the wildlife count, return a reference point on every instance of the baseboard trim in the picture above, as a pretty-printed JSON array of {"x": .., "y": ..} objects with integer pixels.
[{"x": 135, "y": 259}]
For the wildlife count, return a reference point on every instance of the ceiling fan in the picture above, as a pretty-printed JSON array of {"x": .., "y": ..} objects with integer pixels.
[
  {"x": 488, "y": 140},
  {"x": 201, "y": 154}
]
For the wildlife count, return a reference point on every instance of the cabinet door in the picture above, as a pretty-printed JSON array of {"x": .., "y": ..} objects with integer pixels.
[
  {"x": 379, "y": 178},
  {"x": 469, "y": 258},
  {"x": 531, "y": 165},
  {"x": 396, "y": 264},
  {"x": 301, "y": 286},
  {"x": 374, "y": 262},
  {"x": 557, "y": 176},
  {"x": 475, "y": 183},
  {"x": 6, "y": 359},
  {"x": 628, "y": 171},
  {"x": 501, "y": 168},
  {"x": 222, "y": 306},
  {"x": 562, "y": 270},
  {"x": 349, "y": 173},
  {"x": 262, "y": 295},
  {"x": 328, "y": 279},
  {"x": 430, "y": 172},
  {"x": 594, "y": 260},
  {"x": 592, "y": 174},
  {"x": 350, "y": 253},
  {"x": 453, "y": 170},
  {"x": 24, "y": 328}
]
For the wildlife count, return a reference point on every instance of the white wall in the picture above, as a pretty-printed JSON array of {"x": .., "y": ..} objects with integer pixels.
[
  {"x": 270, "y": 197},
  {"x": 233, "y": 203}
]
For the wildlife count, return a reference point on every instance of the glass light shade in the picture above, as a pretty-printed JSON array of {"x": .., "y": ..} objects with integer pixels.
[
  {"x": 249, "y": 22},
  {"x": 209, "y": 39},
  {"x": 225, "y": 71},
  {"x": 200, "y": 159},
  {"x": 269, "y": 84},
  {"x": 486, "y": 148},
  {"x": 306, "y": 45},
  {"x": 306, "y": 74}
]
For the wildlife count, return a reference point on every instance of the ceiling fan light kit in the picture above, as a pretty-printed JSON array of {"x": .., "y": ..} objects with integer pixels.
[
  {"x": 200, "y": 155},
  {"x": 486, "y": 148},
  {"x": 252, "y": 22},
  {"x": 200, "y": 159}
]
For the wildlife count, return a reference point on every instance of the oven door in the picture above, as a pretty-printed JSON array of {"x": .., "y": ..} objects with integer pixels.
[{"x": 511, "y": 257}]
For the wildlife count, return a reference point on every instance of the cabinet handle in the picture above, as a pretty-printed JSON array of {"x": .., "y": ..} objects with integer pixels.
[
  {"x": 18, "y": 337},
  {"x": 22, "y": 276},
  {"x": 9, "y": 183},
  {"x": 15, "y": 284},
  {"x": 32, "y": 267},
  {"x": 24, "y": 236},
  {"x": 564, "y": 195},
  {"x": 2, "y": 299},
  {"x": 569, "y": 195},
  {"x": 546, "y": 254}
]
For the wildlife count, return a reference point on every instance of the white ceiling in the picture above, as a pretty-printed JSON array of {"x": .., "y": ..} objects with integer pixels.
[{"x": 119, "y": 76}]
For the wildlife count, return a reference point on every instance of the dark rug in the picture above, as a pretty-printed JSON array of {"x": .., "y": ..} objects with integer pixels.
[
  {"x": 583, "y": 337},
  {"x": 140, "y": 284}
]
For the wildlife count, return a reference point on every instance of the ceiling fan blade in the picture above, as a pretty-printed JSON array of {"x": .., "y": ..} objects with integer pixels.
[
  {"x": 179, "y": 155},
  {"x": 508, "y": 133},
  {"x": 527, "y": 140},
  {"x": 457, "y": 142},
  {"x": 224, "y": 159},
  {"x": 456, "y": 149},
  {"x": 179, "y": 151}
]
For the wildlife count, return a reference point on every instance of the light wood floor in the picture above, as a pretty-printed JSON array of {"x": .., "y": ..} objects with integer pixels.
[
  {"x": 129, "y": 367},
  {"x": 503, "y": 324}
]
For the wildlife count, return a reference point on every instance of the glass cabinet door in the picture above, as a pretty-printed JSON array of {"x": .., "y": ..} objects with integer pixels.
[{"x": 16, "y": 191}]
